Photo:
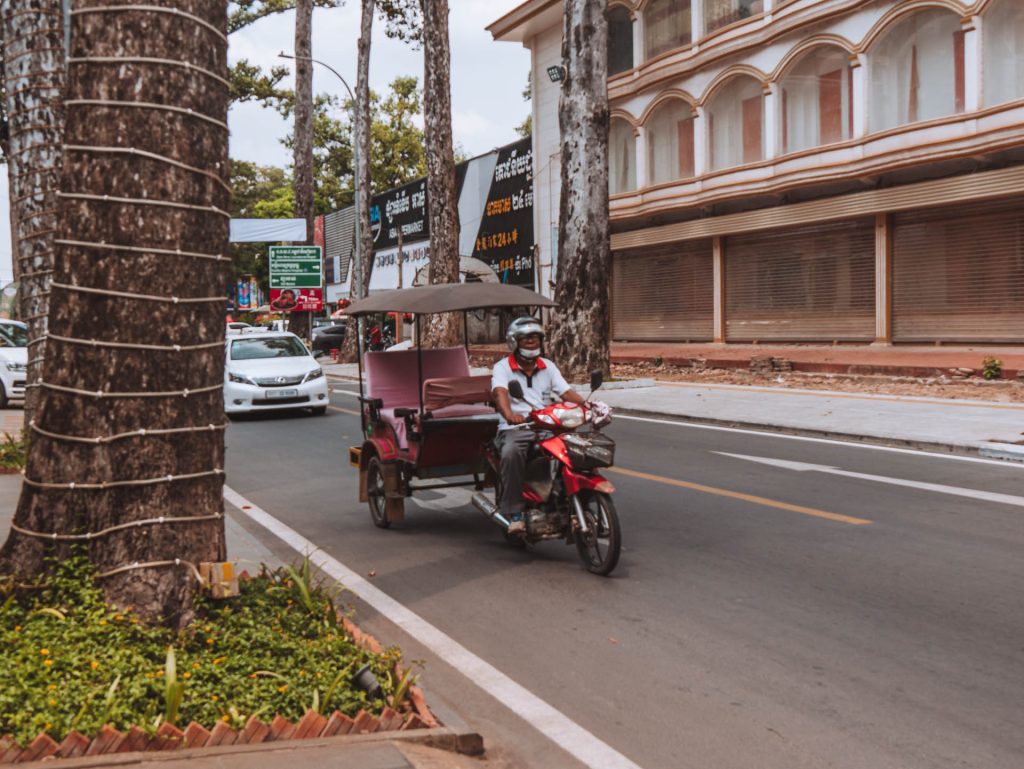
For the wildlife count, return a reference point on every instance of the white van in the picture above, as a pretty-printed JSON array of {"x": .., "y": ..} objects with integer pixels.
[{"x": 13, "y": 360}]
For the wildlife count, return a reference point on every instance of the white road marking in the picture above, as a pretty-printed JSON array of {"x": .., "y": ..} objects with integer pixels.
[
  {"x": 767, "y": 433},
  {"x": 552, "y": 723},
  {"x": 804, "y": 467}
]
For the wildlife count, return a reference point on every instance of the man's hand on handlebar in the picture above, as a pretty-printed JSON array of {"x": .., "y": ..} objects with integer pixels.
[{"x": 516, "y": 419}]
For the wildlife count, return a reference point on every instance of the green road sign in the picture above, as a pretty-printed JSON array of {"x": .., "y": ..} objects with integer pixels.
[{"x": 296, "y": 267}]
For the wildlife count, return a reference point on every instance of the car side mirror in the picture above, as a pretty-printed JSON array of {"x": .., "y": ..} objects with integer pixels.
[
  {"x": 596, "y": 380},
  {"x": 515, "y": 389}
]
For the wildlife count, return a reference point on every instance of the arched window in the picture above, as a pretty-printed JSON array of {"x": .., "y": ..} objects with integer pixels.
[
  {"x": 1004, "y": 52},
  {"x": 917, "y": 70},
  {"x": 620, "y": 40},
  {"x": 718, "y": 13},
  {"x": 621, "y": 156},
  {"x": 736, "y": 124},
  {"x": 816, "y": 100},
  {"x": 669, "y": 135},
  {"x": 666, "y": 26}
]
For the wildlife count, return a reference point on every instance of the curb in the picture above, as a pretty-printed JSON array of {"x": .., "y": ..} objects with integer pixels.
[
  {"x": 1006, "y": 452},
  {"x": 466, "y": 743}
]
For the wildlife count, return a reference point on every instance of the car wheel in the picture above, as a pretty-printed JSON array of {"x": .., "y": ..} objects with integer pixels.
[
  {"x": 3, "y": 396},
  {"x": 319, "y": 411}
]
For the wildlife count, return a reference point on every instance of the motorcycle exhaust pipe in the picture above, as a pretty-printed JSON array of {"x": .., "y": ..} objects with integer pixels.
[{"x": 482, "y": 503}]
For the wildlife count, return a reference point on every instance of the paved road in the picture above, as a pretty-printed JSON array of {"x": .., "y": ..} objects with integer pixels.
[{"x": 764, "y": 616}]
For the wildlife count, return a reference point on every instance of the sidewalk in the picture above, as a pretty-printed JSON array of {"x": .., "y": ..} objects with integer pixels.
[{"x": 980, "y": 428}]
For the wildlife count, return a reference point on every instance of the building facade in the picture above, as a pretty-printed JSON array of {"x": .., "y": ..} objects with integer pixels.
[{"x": 802, "y": 170}]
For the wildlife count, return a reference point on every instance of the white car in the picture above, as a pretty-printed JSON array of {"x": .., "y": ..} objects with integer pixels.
[
  {"x": 272, "y": 370},
  {"x": 13, "y": 360}
]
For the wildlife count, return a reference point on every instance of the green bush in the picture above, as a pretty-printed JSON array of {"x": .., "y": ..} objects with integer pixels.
[
  {"x": 70, "y": 661},
  {"x": 13, "y": 452},
  {"x": 991, "y": 368}
]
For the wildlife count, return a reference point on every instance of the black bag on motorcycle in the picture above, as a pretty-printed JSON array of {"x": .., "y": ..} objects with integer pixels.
[{"x": 589, "y": 451}]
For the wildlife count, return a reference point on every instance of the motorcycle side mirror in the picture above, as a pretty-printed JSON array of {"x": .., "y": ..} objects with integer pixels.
[
  {"x": 515, "y": 389},
  {"x": 596, "y": 380}
]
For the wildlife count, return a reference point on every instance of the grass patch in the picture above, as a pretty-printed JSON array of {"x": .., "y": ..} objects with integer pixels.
[
  {"x": 13, "y": 452},
  {"x": 69, "y": 661}
]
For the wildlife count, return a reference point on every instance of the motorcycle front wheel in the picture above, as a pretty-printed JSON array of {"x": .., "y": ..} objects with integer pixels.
[{"x": 600, "y": 546}]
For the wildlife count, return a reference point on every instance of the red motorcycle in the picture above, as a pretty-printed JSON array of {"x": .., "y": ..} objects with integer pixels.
[{"x": 567, "y": 498}]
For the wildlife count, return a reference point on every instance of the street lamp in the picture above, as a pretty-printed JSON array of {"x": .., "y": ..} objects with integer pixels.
[{"x": 355, "y": 158}]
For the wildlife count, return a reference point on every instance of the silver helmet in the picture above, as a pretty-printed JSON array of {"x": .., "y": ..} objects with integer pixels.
[{"x": 521, "y": 327}]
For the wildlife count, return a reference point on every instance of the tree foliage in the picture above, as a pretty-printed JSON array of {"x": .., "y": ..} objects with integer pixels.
[{"x": 242, "y": 13}]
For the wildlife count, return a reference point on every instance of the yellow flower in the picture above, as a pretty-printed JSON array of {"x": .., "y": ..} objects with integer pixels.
[
  {"x": 219, "y": 660},
  {"x": 283, "y": 689},
  {"x": 149, "y": 675},
  {"x": 302, "y": 672},
  {"x": 289, "y": 601},
  {"x": 225, "y": 717},
  {"x": 118, "y": 617},
  {"x": 209, "y": 641},
  {"x": 214, "y": 697},
  {"x": 52, "y": 702},
  {"x": 51, "y": 687},
  {"x": 47, "y": 662},
  {"x": 94, "y": 664},
  {"x": 44, "y": 652},
  {"x": 103, "y": 622},
  {"x": 195, "y": 666},
  {"x": 17, "y": 628},
  {"x": 135, "y": 621},
  {"x": 159, "y": 674},
  {"x": 186, "y": 674}
]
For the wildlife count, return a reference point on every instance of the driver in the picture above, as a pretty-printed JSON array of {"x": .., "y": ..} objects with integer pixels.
[{"x": 542, "y": 385}]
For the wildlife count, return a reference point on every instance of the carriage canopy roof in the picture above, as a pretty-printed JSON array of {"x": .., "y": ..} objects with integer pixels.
[{"x": 448, "y": 297}]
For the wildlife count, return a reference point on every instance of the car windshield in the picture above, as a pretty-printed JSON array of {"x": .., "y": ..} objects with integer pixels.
[
  {"x": 13, "y": 336},
  {"x": 276, "y": 347}
]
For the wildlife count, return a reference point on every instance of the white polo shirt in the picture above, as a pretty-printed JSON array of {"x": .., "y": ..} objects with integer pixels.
[{"x": 545, "y": 387}]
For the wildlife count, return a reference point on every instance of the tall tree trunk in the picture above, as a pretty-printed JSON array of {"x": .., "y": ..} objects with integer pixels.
[
  {"x": 303, "y": 157},
  {"x": 362, "y": 181},
  {"x": 579, "y": 333},
  {"x": 442, "y": 202},
  {"x": 127, "y": 453},
  {"x": 34, "y": 68}
]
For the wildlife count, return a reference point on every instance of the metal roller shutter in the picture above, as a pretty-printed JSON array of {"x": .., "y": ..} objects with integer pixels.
[
  {"x": 814, "y": 283},
  {"x": 958, "y": 274},
  {"x": 339, "y": 243},
  {"x": 663, "y": 293}
]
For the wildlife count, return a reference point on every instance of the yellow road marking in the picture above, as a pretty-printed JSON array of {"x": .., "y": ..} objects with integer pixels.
[
  {"x": 343, "y": 411},
  {"x": 739, "y": 495}
]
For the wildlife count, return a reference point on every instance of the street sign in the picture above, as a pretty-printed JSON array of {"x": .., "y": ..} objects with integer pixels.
[{"x": 296, "y": 267}]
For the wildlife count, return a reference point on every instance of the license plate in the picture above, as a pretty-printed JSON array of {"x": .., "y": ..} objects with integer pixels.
[{"x": 274, "y": 394}]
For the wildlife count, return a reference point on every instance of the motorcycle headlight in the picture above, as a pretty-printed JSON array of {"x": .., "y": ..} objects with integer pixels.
[
  {"x": 314, "y": 374},
  {"x": 239, "y": 378},
  {"x": 16, "y": 367},
  {"x": 572, "y": 417}
]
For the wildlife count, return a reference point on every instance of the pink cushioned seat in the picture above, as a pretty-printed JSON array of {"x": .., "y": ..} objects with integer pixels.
[{"x": 393, "y": 377}]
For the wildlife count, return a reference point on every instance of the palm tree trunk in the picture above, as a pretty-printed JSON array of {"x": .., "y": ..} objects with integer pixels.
[
  {"x": 33, "y": 31},
  {"x": 126, "y": 458},
  {"x": 442, "y": 202},
  {"x": 302, "y": 161},
  {"x": 579, "y": 334}
]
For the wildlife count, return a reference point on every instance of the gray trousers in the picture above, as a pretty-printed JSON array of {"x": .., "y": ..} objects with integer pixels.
[{"x": 513, "y": 445}]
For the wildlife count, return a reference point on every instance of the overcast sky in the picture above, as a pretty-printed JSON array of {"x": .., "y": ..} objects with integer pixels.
[
  {"x": 487, "y": 81},
  {"x": 488, "y": 78}
]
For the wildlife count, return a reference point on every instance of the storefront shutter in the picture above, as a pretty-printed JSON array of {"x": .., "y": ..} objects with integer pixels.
[
  {"x": 812, "y": 283},
  {"x": 958, "y": 274},
  {"x": 664, "y": 294}
]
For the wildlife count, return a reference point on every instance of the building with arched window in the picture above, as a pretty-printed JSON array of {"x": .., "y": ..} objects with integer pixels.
[{"x": 802, "y": 170}]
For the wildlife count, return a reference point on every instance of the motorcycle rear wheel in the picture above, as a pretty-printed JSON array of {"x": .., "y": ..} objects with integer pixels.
[
  {"x": 599, "y": 548},
  {"x": 376, "y": 494}
]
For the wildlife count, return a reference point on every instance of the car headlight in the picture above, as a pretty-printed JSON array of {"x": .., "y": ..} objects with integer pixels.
[
  {"x": 314, "y": 374},
  {"x": 16, "y": 367},
  {"x": 233, "y": 377}
]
